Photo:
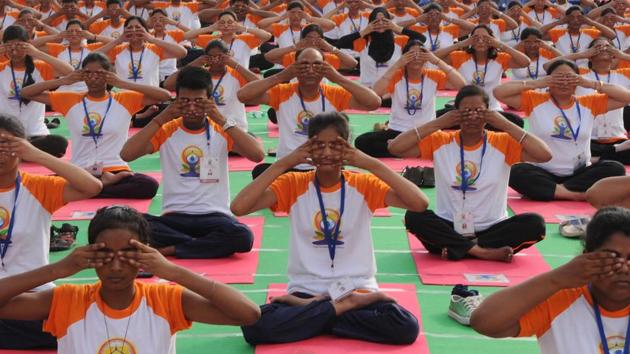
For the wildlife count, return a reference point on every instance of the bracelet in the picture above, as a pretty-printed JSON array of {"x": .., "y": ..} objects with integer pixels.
[
  {"x": 601, "y": 85},
  {"x": 417, "y": 133},
  {"x": 525, "y": 134}
]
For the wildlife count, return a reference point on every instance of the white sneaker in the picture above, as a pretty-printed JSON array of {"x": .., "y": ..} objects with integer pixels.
[{"x": 461, "y": 308}]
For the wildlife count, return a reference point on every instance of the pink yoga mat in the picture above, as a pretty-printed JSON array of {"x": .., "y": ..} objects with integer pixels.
[
  {"x": 41, "y": 170},
  {"x": 383, "y": 212},
  {"x": 548, "y": 210},
  {"x": 252, "y": 109},
  {"x": 41, "y": 351},
  {"x": 237, "y": 164},
  {"x": 239, "y": 268},
  {"x": 85, "y": 209},
  {"x": 405, "y": 295},
  {"x": 272, "y": 130},
  {"x": 434, "y": 270},
  {"x": 380, "y": 110},
  {"x": 399, "y": 164}
]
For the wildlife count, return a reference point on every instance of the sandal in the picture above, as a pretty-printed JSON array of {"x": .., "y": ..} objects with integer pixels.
[
  {"x": 573, "y": 226},
  {"x": 414, "y": 175},
  {"x": 428, "y": 177},
  {"x": 62, "y": 239}
]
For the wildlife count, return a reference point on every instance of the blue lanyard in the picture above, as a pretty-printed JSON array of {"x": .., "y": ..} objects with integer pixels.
[
  {"x": 331, "y": 235},
  {"x": 597, "y": 77},
  {"x": 617, "y": 39},
  {"x": 135, "y": 70},
  {"x": 485, "y": 70},
  {"x": 207, "y": 134},
  {"x": 91, "y": 125},
  {"x": 4, "y": 244},
  {"x": 517, "y": 36},
  {"x": 538, "y": 19},
  {"x": 600, "y": 328},
  {"x": 575, "y": 48},
  {"x": 464, "y": 185},
  {"x": 574, "y": 133},
  {"x": 411, "y": 105},
  {"x": 215, "y": 96},
  {"x": 434, "y": 43},
  {"x": 16, "y": 88},
  {"x": 534, "y": 77},
  {"x": 304, "y": 106},
  {"x": 354, "y": 25},
  {"x": 80, "y": 59}
]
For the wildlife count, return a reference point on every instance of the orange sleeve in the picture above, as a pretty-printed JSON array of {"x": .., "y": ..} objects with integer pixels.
[
  {"x": 597, "y": 103},
  {"x": 625, "y": 72},
  {"x": 159, "y": 51},
  {"x": 338, "y": 19},
  {"x": 591, "y": 32},
  {"x": 412, "y": 12},
  {"x": 436, "y": 75},
  {"x": 453, "y": 29},
  {"x": 45, "y": 70},
  {"x": 431, "y": 143},
  {"x": 69, "y": 305},
  {"x": 177, "y": 35},
  {"x": 98, "y": 27},
  {"x": 504, "y": 59},
  {"x": 249, "y": 39},
  {"x": 547, "y": 54},
  {"x": 164, "y": 133},
  {"x": 538, "y": 320},
  {"x": 418, "y": 28},
  {"x": 131, "y": 100},
  {"x": 501, "y": 24},
  {"x": 359, "y": 44},
  {"x": 160, "y": 4},
  {"x": 458, "y": 58},
  {"x": 373, "y": 189},
  {"x": 288, "y": 188},
  {"x": 241, "y": 80},
  {"x": 530, "y": 99},
  {"x": 338, "y": 96},
  {"x": 401, "y": 41},
  {"x": 395, "y": 80},
  {"x": 556, "y": 33},
  {"x": 278, "y": 28},
  {"x": 288, "y": 59},
  {"x": 47, "y": 189},
  {"x": 203, "y": 40},
  {"x": 193, "y": 6},
  {"x": 333, "y": 60},
  {"x": 95, "y": 46},
  {"x": 279, "y": 94},
  {"x": 63, "y": 101},
  {"x": 554, "y": 12},
  {"x": 117, "y": 50},
  {"x": 253, "y": 18},
  {"x": 625, "y": 28},
  {"x": 510, "y": 148},
  {"x": 166, "y": 301},
  {"x": 54, "y": 49},
  {"x": 458, "y": 11}
]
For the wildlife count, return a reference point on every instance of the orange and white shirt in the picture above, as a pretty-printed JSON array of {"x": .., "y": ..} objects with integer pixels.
[
  {"x": 83, "y": 323},
  {"x": 224, "y": 89},
  {"x": 142, "y": 12},
  {"x": 409, "y": 14},
  {"x": 293, "y": 119},
  {"x": 569, "y": 44},
  {"x": 181, "y": 153},
  {"x": 107, "y": 29},
  {"x": 32, "y": 114},
  {"x": 556, "y": 321},
  {"x": 348, "y": 25},
  {"x": 413, "y": 102},
  {"x": 146, "y": 62},
  {"x": 513, "y": 37},
  {"x": 185, "y": 13},
  {"x": 309, "y": 266},
  {"x": 445, "y": 38},
  {"x": 546, "y": 17},
  {"x": 241, "y": 46},
  {"x": 371, "y": 71},
  {"x": 497, "y": 26},
  {"x": 98, "y": 7},
  {"x": 608, "y": 127},
  {"x": 169, "y": 66},
  {"x": 486, "y": 196},
  {"x": 486, "y": 76},
  {"x": 535, "y": 69},
  {"x": 74, "y": 58},
  {"x": 38, "y": 198},
  {"x": 547, "y": 123},
  {"x": 622, "y": 39},
  {"x": 285, "y": 36},
  {"x": 111, "y": 125}
]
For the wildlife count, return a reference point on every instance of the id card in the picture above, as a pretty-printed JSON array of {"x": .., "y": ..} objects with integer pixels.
[
  {"x": 209, "y": 169},
  {"x": 464, "y": 223},
  {"x": 96, "y": 169},
  {"x": 579, "y": 161},
  {"x": 340, "y": 288}
]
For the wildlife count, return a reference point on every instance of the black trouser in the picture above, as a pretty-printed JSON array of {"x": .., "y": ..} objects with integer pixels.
[
  {"x": 606, "y": 151},
  {"x": 380, "y": 322},
  {"x": 55, "y": 145},
  {"x": 262, "y": 167},
  {"x": 375, "y": 143},
  {"x": 435, "y": 233},
  {"x": 137, "y": 186},
  {"x": 537, "y": 183},
  {"x": 213, "y": 235},
  {"x": 25, "y": 335}
]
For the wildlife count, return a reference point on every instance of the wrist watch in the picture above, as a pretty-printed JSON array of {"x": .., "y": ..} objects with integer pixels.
[{"x": 229, "y": 123}]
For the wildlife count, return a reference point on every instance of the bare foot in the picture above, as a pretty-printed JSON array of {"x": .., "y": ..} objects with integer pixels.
[
  {"x": 444, "y": 253},
  {"x": 109, "y": 178},
  {"x": 357, "y": 300},
  {"x": 562, "y": 193},
  {"x": 167, "y": 251},
  {"x": 294, "y": 300},
  {"x": 503, "y": 254}
]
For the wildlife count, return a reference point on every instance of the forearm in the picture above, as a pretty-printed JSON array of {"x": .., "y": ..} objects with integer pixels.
[
  {"x": 246, "y": 145},
  {"x": 245, "y": 201},
  {"x": 253, "y": 90},
  {"x": 519, "y": 59},
  {"x": 411, "y": 196},
  {"x": 605, "y": 31},
  {"x": 614, "y": 92},
  {"x": 192, "y": 34},
  {"x": 277, "y": 54},
  {"x": 544, "y": 29},
  {"x": 109, "y": 46},
  {"x": 454, "y": 78},
  {"x": 346, "y": 60},
  {"x": 381, "y": 85},
  {"x": 324, "y": 23},
  {"x": 365, "y": 97},
  {"x": 443, "y": 53},
  {"x": 76, "y": 177},
  {"x": 136, "y": 146},
  {"x": 409, "y": 140},
  {"x": 245, "y": 73},
  {"x": 102, "y": 39},
  {"x": 463, "y": 24},
  {"x": 266, "y": 22},
  {"x": 150, "y": 92},
  {"x": 171, "y": 50},
  {"x": 260, "y": 34},
  {"x": 36, "y": 89},
  {"x": 15, "y": 285},
  {"x": 61, "y": 67},
  {"x": 509, "y": 22}
]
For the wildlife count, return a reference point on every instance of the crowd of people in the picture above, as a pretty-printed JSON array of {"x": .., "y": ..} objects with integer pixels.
[{"x": 540, "y": 104}]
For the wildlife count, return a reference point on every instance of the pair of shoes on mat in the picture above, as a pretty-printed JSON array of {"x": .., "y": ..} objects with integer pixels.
[
  {"x": 463, "y": 302},
  {"x": 420, "y": 176},
  {"x": 63, "y": 238},
  {"x": 573, "y": 226}
]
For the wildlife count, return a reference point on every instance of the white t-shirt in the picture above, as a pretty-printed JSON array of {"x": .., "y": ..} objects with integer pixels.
[
  {"x": 146, "y": 62},
  {"x": 241, "y": 46},
  {"x": 371, "y": 71},
  {"x": 486, "y": 196},
  {"x": 347, "y": 25},
  {"x": 181, "y": 152},
  {"x": 309, "y": 267},
  {"x": 112, "y": 125},
  {"x": 74, "y": 58},
  {"x": 284, "y": 35},
  {"x": 568, "y": 44},
  {"x": 224, "y": 93},
  {"x": 185, "y": 13},
  {"x": 536, "y": 69},
  {"x": 513, "y": 37},
  {"x": 546, "y": 17},
  {"x": 107, "y": 29},
  {"x": 169, "y": 66},
  {"x": 547, "y": 123},
  {"x": 8, "y": 19},
  {"x": 445, "y": 38}
]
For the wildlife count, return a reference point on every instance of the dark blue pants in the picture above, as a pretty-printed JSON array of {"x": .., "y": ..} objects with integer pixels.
[
  {"x": 380, "y": 322},
  {"x": 25, "y": 335},
  {"x": 213, "y": 235}
]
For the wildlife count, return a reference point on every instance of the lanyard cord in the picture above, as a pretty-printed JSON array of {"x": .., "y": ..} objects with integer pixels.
[
  {"x": 485, "y": 70},
  {"x": 529, "y": 71},
  {"x": 597, "y": 77},
  {"x": 216, "y": 88},
  {"x": 331, "y": 235},
  {"x": 4, "y": 244},
  {"x": 302, "y": 100},
  {"x": 135, "y": 70},
  {"x": 76, "y": 67},
  {"x": 575, "y": 48},
  {"x": 574, "y": 133},
  {"x": 464, "y": 183},
  {"x": 412, "y": 106},
  {"x": 600, "y": 328},
  {"x": 95, "y": 136}
]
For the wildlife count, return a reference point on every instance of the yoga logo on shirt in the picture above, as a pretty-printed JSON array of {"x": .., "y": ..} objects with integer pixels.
[
  {"x": 561, "y": 129},
  {"x": 176, "y": 15},
  {"x": 218, "y": 96},
  {"x": 5, "y": 218},
  {"x": 115, "y": 35},
  {"x": 12, "y": 95},
  {"x": 117, "y": 346},
  {"x": 471, "y": 173},
  {"x": 191, "y": 156},
  {"x": 138, "y": 65},
  {"x": 95, "y": 121},
  {"x": 302, "y": 122},
  {"x": 413, "y": 99},
  {"x": 615, "y": 345},
  {"x": 479, "y": 78},
  {"x": 332, "y": 216}
]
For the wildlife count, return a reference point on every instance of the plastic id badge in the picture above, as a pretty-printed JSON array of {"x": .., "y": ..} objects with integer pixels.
[
  {"x": 96, "y": 169},
  {"x": 464, "y": 224},
  {"x": 340, "y": 288},
  {"x": 209, "y": 169}
]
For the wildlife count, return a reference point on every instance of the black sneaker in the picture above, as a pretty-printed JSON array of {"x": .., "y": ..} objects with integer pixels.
[
  {"x": 428, "y": 177},
  {"x": 413, "y": 174},
  {"x": 463, "y": 291}
]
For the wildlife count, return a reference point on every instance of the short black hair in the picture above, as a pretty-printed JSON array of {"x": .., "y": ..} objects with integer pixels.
[
  {"x": 158, "y": 11},
  {"x": 194, "y": 78},
  {"x": 433, "y": 6},
  {"x": 97, "y": 57},
  {"x": 118, "y": 217},
  {"x": 313, "y": 27},
  {"x": 337, "y": 120},
  {"x": 217, "y": 43},
  {"x": 69, "y": 1},
  {"x": 143, "y": 23},
  {"x": 74, "y": 22},
  {"x": 113, "y": 2},
  {"x": 530, "y": 31},
  {"x": 470, "y": 91},
  {"x": 412, "y": 43},
  {"x": 13, "y": 125},
  {"x": 514, "y": 3},
  {"x": 15, "y": 32},
  {"x": 231, "y": 13},
  {"x": 606, "y": 222},
  {"x": 378, "y": 10},
  {"x": 572, "y": 9},
  {"x": 556, "y": 64},
  {"x": 608, "y": 11},
  {"x": 295, "y": 4}
]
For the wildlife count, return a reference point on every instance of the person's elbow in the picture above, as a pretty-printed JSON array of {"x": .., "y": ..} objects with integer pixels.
[
  {"x": 162, "y": 95},
  {"x": 395, "y": 148},
  {"x": 594, "y": 196},
  {"x": 420, "y": 204},
  {"x": 93, "y": 187},
  {"x": 243, "y": 95},
  {"x": 237, "y": 208},
  {"x": 250, "y": 315},
  {"x": 256, "y": 155},
  {"x": 179, "y": 52},
  {"x": 371, "y": 102},
  {"x": 126, "y": 154}
]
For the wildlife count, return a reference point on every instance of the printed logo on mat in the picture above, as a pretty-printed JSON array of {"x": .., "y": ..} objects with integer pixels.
[{"x": 486, "y": 278}]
